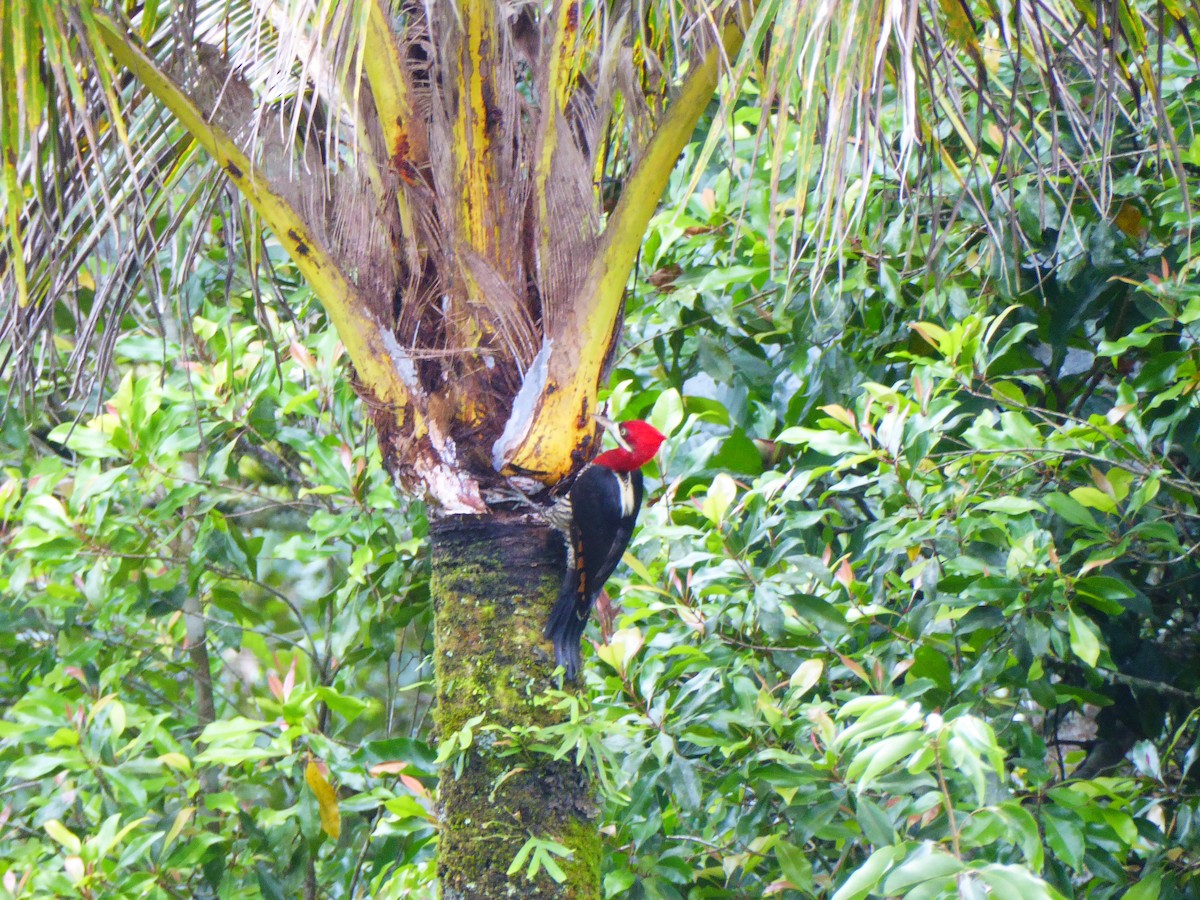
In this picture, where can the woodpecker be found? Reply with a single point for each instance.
(597, 519)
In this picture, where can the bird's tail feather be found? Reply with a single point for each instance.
(565, 626)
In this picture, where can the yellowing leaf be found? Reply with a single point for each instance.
(331, 818)
(959, 25)
(622, 648)
(1094, 564)
(1129, 220)
(181, 819)
(720, 495)
(1094, 498)
(1084, 642)
(116, 719)
(303, 358)
(667, 414)
(1119, 481)
(806, 675)
(855, 668)
(1118, 412)
(840, 414)
(176, 761)
(63, 835)
(932, 335)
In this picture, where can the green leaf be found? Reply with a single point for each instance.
(225, 729)
(877, 757)
(830, 443)
(1121, 824)
(1008, 392)
(349, 708)
(270, 888)
(875, 824)
(926, 863)
(667, 414)
(866, 877)
(1012, 506)
(1070, 510)
(824, 615)
(548, 863)
(1024, 828)
(1144, 493)
(795, 865)
(1085, 642)
(1104, 593)
(738, 454)
(181, 819)
(1148, 887)
(1015, 883)
(262, 417)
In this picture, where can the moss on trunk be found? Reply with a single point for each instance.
(495, 579)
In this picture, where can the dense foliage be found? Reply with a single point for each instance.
(229, 467)
(938, 636)
(912, 610)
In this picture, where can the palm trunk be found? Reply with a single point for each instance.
(495, 579)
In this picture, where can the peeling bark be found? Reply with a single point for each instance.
(495, 579)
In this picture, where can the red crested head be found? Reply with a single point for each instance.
(639, 442)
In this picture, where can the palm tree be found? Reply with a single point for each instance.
(465, 185)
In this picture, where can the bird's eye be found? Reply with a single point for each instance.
(624, 431)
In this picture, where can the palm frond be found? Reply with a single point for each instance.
(884, 90)
(95, 170)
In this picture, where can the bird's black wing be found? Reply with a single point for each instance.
(596, 545)
(616, 539)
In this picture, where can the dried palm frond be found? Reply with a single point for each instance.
(442, 164)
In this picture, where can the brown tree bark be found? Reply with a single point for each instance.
(495, 579)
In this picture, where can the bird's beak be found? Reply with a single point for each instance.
(612, 429)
